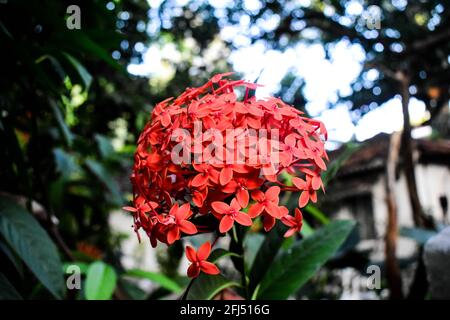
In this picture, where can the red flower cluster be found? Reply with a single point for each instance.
(233, 153)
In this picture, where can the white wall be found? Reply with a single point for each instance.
(433, 181)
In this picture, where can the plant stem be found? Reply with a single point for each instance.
(184, 296)
(239, 249)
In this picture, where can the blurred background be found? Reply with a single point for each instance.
(76, 90)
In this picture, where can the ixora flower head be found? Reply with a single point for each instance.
(207, 161)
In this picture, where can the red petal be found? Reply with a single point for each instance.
(226, 224)
(240, 108)
(235, 205)
(286, 158)
(241, 168)
(299, 183)
(242, 197)
(230, 187)
(298, 215)
(253, 183)
(243, 218)
(268, 222)
(320, 163)
(209, 268)
(173, 211)
(258, 195)
(220, 207)
(191, 254)
(165, 120)
(214, 176)
(313, 197)
(193, 271)
(198, 198)
(254, 110)
(303, 199)
(256, 210)
(199, 180)
(226, 175)
(283, 211)
(272, 209)
(216, 78)
(272, 194)
(204, 251)
(269, 170)
(316, 182)
(290, 140)
(289, 221)
(290, 232)
(131, 209)
(184, 211)
(173, 234)
(153, 205)
(187, 227)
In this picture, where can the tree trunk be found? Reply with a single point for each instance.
(407, 155)
(392, 269)
(419, 286)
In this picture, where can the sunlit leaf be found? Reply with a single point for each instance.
(101, 281)
(64, 129)
(155, 277)
(82, 72)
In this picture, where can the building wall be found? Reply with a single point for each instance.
(433, 181)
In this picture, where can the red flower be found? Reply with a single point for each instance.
(294, 223)
(178, 222)
(265, 202)
(309, 188)
(230, 214)
(229, 147)
(240, 187)
(141, 208)
(290, 150)
(199, 262)
(207, 173)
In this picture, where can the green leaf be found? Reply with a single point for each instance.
(266, 254)
(316, 213)
(295, 267)
(307, 230)
(101, 281)
(158, 278)
(15, 260)
(55, 63)
(104, 145)
(7, 290)
(85, 44)
(66, 164)
(6, 31)
(207, 286)
(105, 177)
(65, 131)
(83, 73)
(83, 266)
(132, 290)
(32, 244)
(252, 243)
